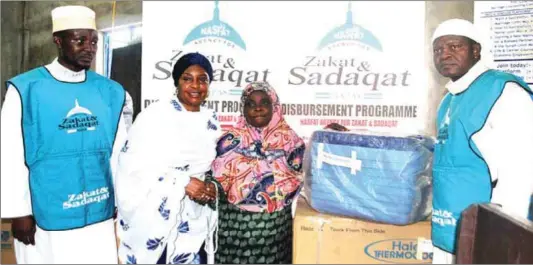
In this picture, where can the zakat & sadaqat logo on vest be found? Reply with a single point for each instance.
(86, 197)
(79, 119)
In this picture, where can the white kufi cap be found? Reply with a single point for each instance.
(458, 27)
(73, 17)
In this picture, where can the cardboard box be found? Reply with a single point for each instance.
(322, 238)
(8, 252)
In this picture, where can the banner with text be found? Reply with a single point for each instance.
(360, 64)
(507, 29)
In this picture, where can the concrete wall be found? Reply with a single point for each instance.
(437, 12)
(11, 30)
(27, 39)
(42, 48)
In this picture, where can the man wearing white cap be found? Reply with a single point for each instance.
(62, 129)
(485, 136)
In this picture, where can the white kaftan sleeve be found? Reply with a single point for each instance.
(16, 200)
(145, 174)
(506, 143)
(128, 110)
(150, 189)
(120, 138)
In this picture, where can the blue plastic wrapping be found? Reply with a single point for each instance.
(375, 177)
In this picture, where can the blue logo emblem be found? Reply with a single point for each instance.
(350, 32)
(216, 29)
(79, 119)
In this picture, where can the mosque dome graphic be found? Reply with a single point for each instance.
(215, 28)
(78, 110)
(79, 119)
(350, 32)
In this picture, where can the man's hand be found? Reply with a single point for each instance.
(23, 229)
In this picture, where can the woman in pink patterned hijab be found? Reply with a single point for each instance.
(259, 168)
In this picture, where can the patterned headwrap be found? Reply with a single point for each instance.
(260, 170)
(264, 87)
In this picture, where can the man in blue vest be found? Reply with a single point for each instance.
(484, 144)
(62, 129)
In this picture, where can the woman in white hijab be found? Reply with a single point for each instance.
(165, 209)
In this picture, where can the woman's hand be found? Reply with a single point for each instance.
(211, 191)
(195, 189)
(199, 191)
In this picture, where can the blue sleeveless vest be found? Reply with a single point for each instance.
(69, 130)
(530, 216)
(461, 176)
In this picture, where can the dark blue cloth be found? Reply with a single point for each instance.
(190, 59)
(163, 258)
(202, 253)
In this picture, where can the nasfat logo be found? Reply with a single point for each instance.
(226, 68)
(349, 56)
(229, 73)
(350, 34)
(79, 119)
(215, 31)
(396, 251)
